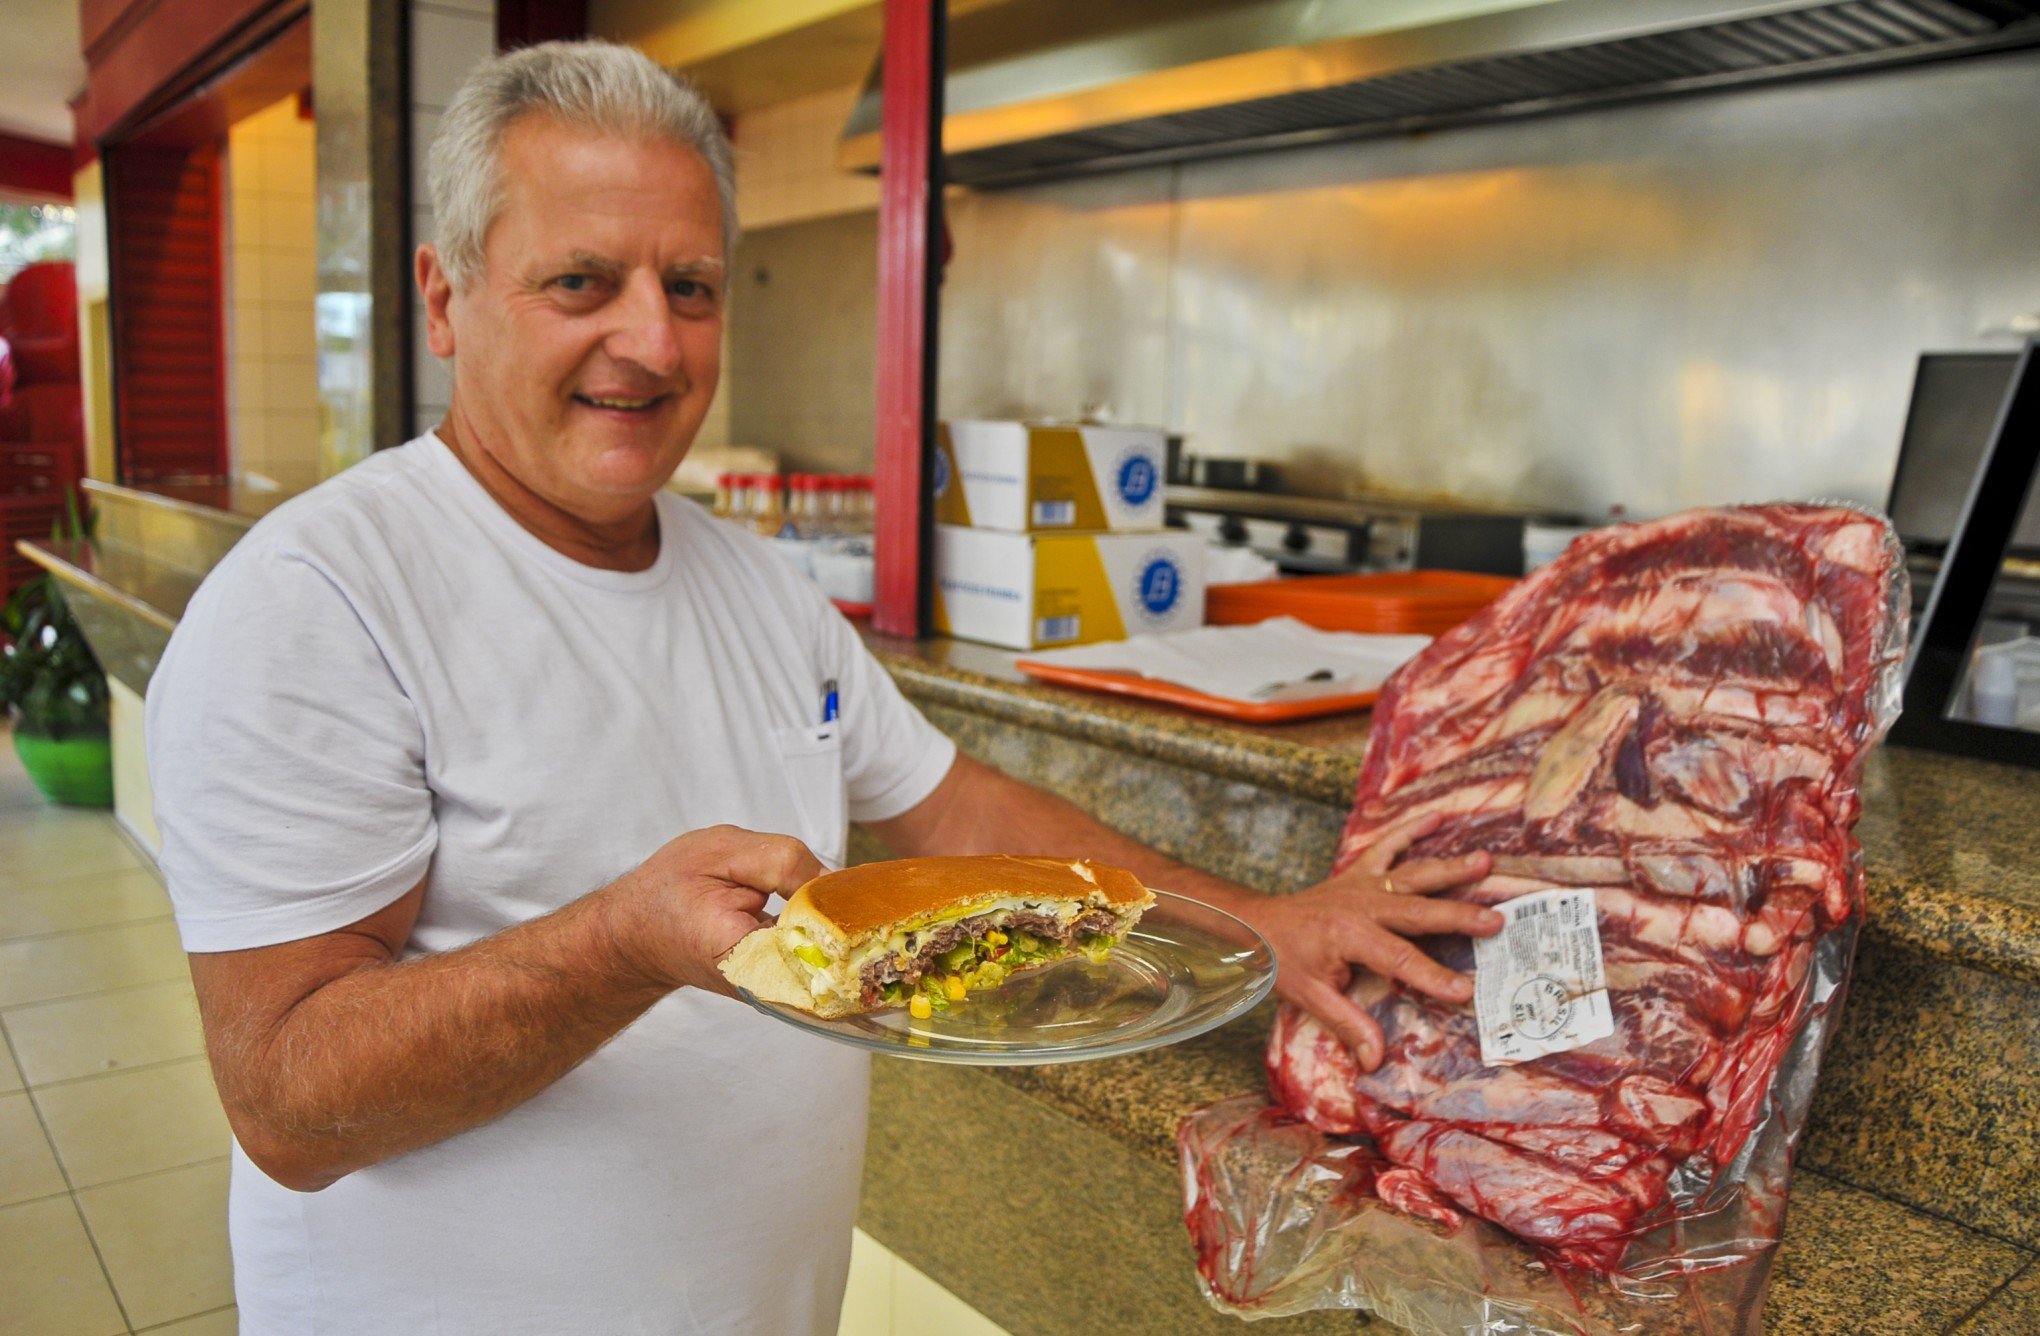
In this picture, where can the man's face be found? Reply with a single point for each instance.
(587, 350)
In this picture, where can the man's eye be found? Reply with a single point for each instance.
(575, 282)
(690, 289)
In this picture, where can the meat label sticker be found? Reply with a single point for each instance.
(1538, 984)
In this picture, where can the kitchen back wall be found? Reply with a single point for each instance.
(1707, 299)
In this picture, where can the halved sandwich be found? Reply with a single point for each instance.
(883, 934)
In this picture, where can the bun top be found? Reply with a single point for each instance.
(859, 901)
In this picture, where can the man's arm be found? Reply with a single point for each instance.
(331, 1054)
(1356, 918)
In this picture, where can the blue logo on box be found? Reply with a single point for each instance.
(1136, 479)
(1161, 584)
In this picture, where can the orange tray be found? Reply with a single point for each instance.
(1168, 693)
(1420, 602)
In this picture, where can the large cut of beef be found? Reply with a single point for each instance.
(1674, 716)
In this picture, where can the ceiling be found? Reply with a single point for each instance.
(41, 69)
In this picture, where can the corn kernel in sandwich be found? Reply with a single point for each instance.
(953, 987)
(919, 1007)
(995, 937)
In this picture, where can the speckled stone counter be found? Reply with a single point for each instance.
(1916, 1206)
(1088, 1235)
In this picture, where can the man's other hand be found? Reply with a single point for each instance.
(1364, 917)
(694, 899)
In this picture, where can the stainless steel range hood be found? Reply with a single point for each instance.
(1044, 88)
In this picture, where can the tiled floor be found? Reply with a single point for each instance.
(113, 1170)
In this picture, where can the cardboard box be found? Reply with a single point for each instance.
(1030, 591)
(1024, 477)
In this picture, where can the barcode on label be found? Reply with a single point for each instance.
(1055, 512)
(1532, 911)
(1058, 628)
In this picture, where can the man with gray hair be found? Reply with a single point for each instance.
(472, 762)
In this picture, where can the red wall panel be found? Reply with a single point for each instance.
(34, 166)
(164, 229)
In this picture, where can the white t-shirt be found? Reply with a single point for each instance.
(389, 679)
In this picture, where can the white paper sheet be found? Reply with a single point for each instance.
(1279, 659)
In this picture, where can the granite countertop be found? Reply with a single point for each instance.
(1951, 845)
(1850, 1260)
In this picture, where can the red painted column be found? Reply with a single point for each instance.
(909, 269)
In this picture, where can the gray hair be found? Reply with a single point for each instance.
(597, 86)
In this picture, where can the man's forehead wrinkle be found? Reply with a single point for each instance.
(606, 265)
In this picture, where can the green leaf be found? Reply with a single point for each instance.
(48, 676)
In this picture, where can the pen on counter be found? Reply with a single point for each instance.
(829, 701)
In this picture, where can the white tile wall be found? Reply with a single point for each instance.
(448, 37)
(786, 162)
(272, 371)
(445, 45)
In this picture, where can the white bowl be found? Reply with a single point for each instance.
(846, 575)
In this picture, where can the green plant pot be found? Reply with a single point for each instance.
(76, 771)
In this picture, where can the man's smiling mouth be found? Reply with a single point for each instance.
(627, 405)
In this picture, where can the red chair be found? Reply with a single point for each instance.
(42, 420)
(39, 316)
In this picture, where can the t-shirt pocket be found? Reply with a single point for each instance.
(811, 756)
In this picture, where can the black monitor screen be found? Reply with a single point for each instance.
(1955, 402)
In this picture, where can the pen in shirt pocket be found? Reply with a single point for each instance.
(829, 701)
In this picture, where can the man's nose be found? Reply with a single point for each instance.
(647, 332)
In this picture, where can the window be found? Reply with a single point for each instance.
(30, 232)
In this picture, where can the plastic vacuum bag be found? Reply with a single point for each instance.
(1286, 1218)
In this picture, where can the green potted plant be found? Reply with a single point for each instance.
(55, 693)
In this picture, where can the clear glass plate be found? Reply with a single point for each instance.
(1186, 968)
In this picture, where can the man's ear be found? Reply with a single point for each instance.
(437, 290)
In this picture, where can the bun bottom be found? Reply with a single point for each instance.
(760, 967)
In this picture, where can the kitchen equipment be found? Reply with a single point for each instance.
(1036, 91)
(1956, 398)
(1308, 535)
(1185, 969)
(1233, 475)
(1978, 584)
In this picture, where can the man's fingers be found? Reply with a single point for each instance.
(1421, 916)
(1354, 1027)
(1389, 846)
(1398, 958)
(1437, 874)
(771, 864)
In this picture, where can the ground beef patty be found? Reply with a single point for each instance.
(925, 946)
